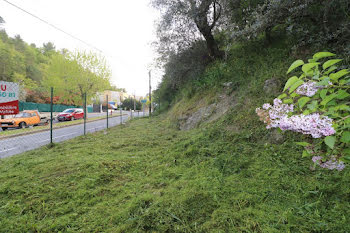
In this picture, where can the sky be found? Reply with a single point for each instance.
(123, 30)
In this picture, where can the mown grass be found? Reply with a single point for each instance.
(148, 176)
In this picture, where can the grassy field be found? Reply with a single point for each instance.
(4, 134)
(149, 176)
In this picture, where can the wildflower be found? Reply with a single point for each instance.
(309, 88)
(266, 106)
(316, 158)
(314, 124)
(271, 115)
(330, 164)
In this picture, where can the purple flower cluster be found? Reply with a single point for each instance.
(277, 111)
(276, 117)
(309, 88)
(330, 164)
(313, 124)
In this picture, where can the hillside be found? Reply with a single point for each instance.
(206, 165)
(251, 129)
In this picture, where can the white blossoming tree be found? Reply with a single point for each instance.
(315, 103)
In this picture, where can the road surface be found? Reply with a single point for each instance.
(20, 144)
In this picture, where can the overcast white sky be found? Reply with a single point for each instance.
(123, 30)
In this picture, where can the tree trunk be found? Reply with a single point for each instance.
(268, 35)
(201, 20)
(213, 48)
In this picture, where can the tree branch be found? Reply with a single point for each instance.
(216, 15)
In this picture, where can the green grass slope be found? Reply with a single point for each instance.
(148, 176)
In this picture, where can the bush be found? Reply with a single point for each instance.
(315, 104)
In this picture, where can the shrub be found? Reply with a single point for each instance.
(316, 104)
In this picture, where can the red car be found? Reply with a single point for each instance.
(71, 114)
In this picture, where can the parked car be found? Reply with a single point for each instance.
(71, 114)
(23, 120)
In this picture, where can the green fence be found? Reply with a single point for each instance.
(43, 107)
(89, 109)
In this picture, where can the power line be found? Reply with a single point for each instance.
(53, 26)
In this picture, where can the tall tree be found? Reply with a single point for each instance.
(186, 21)
(129, 104)
(48, 48)
(75, 74)
(310, 22)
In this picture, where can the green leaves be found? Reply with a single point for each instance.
(323, 93)
(295, 85)
(307, 67)
(330, 141)
(330, 63)
(320, 55)
(290, 82)
(302, 101)
(331, 69)
(339, 74)
(328, 98)
(342, 94)
(345, 137)
(306, 154)
(282, 96)
(324, 82)
(303, 144)
(288, 101)
(313, 105)
(294, 65)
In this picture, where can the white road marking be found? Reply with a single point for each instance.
(14, 148)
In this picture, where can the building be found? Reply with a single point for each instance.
(114, 97)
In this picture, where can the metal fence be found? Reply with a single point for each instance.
(23, 127)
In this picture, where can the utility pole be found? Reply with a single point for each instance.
(107, 109)
(134, 102)
(85, 113)
(51, 114)
(150, 94)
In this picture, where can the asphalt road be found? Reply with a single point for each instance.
(20, 144)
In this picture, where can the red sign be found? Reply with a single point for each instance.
(9, 108)
(9, 98)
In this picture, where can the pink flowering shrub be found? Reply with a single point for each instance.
(308, 88)
(316, 104)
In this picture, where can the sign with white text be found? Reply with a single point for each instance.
(9, 93)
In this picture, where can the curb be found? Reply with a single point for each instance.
(60, 127)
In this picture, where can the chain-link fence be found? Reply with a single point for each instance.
(25, 126)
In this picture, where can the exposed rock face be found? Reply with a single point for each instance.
(276, 137)
(208, 113)
(272, 86)
(228, 84)
(196, 118)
